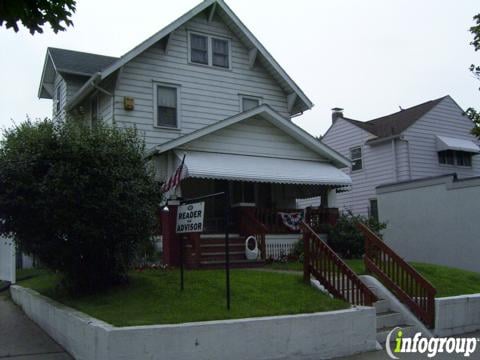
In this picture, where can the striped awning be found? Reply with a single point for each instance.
(207, 165)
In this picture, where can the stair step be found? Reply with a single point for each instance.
(388, 319)
(408, 331)
(382, 306)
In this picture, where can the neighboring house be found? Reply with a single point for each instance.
(426, 140)
(206, 88)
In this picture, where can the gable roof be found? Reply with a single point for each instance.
(394, 124)
(267, 113)
(299, 101)
(69, 62)
(79, 63)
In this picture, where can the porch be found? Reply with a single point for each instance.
(254, 210)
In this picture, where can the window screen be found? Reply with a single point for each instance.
(356, 157)
(199, 49)
(166, 106)
(220, 53)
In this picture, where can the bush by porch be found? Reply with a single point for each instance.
(153, 297)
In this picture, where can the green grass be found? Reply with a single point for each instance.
(448, 281)
(153, 297)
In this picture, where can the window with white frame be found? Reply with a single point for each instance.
(199, 49)
(249, 102)
(356, 157)
(57, 99)
(166, 108)
(209, 50)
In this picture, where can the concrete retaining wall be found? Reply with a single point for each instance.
(305, 336)
(457, 314)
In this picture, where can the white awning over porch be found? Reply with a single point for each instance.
(208, 165)
(449, 143)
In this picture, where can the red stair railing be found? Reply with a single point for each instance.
(401, 278)
(332, 272)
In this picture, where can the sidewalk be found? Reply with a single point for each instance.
(22, 339)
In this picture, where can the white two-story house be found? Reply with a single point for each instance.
(425, 140)
(205, 88)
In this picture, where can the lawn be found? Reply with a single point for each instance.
(153, 297)
(448, 281)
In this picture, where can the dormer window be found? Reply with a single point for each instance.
(209, 50)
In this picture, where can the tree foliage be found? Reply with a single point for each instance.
(345, 238)
(81, 200)
(473, 114)
(33, 14)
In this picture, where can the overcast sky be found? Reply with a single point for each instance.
(369, 57)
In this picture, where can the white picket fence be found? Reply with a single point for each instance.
(280, 245)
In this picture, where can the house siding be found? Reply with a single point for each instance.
(415, 153)
(207, 95)
(446, 119)
(256, 137)
(59, 82)
(378, 165)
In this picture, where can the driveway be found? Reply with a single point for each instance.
(22, 339)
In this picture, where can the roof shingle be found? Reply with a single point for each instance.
(80, 63)
(394, 124)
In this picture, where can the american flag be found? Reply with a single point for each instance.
(174, 180)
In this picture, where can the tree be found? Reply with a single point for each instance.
(33, 14)
(473, 114)
(80, 200)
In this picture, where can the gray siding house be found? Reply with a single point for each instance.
(206, 89)
(425, 140)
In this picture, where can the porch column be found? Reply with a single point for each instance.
(171, 243)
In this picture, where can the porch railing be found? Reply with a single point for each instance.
(401, 278)
(272, 220)
(319, 218)
(332, 272)
(249, 225)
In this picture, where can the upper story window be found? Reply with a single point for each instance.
(452, 157)
(249, 102)
(356, 157)
(57, 99)
(199, 49)
(166, 107)
(209, 50)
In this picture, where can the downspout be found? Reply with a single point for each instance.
(394, 155)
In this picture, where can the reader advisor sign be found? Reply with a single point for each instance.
(190, 218)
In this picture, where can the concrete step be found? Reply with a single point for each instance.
(388, 319)
(382, 306)
(408, 331)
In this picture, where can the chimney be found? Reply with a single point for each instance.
(336, 113)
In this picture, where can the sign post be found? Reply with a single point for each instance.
(192, 221)
(189, 219)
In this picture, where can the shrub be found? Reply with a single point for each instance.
(346, 240)
(80, 199)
